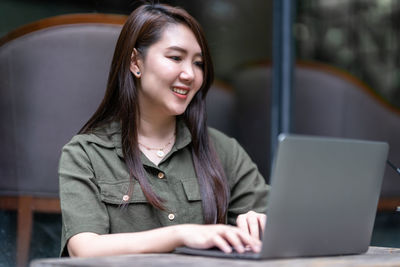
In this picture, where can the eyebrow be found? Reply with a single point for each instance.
(182, 50)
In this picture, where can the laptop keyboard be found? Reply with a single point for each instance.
(215, 252)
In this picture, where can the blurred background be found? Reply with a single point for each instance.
(346, 83)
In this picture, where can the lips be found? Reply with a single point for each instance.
(180, 92)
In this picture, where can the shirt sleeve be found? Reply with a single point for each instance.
(81, 207)
(248, 188)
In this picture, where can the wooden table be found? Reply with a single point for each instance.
(376, 256)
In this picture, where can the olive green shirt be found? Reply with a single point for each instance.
(94, 182)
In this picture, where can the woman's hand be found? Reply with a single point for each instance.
(252, 222)
(218, 235)
(164, 239)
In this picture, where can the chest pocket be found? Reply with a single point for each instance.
(117, 192)
(192, 190)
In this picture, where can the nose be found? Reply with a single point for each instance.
(187, 74)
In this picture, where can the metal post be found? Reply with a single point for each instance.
(282, 81)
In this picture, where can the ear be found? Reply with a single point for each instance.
(136, 64)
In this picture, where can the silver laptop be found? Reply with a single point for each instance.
(323, 198)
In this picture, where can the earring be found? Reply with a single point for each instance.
(138, 72)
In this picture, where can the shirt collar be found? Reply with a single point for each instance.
(110, 136)
(183, 136)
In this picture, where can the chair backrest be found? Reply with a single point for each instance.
(327, 102)
(334, 103)
(53, 75)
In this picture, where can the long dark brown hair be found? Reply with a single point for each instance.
(143, 28)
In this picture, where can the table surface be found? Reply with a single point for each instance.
(376, 256)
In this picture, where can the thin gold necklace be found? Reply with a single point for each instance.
(159, 151)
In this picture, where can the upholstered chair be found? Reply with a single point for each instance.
(326, 101)
(53, 74)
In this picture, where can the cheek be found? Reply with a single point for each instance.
(159, 68)
(167, 73)
(166, 64)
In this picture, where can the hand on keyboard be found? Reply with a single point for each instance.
(224, 237)
(253, 223)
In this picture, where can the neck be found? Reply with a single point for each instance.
(156, 128)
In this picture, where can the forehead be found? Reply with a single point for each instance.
(178, 35)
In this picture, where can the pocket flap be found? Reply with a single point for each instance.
(192, 189)
(113, 193)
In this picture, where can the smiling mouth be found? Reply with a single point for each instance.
(180, 91)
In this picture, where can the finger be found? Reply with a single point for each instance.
(262, 219)
(232, 236)
(241, 222)
(253, 225)
(220, 243)
(253, 243)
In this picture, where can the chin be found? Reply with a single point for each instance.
(177, 113)
(177, 110)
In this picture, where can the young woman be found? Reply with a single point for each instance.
(145, 174)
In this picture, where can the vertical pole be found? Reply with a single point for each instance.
(282, 72)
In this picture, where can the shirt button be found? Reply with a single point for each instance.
(125, 198)
(171, 216)
(161, 175)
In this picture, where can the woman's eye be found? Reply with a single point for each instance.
(175, 58)
(199, 64)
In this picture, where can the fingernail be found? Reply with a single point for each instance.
(240, 249)
(228, 250)
(257, 248)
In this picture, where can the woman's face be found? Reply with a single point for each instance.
(171, 72)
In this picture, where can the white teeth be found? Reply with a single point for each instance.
(180, 91)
